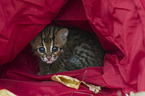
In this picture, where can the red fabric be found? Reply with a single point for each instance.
(119, 24)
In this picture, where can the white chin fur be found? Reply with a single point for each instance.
(48, 61)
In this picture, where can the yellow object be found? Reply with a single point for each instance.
(67, 80)
(137, 93)
(75, 83)
(5, 92)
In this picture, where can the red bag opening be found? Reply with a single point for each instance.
(118, 24)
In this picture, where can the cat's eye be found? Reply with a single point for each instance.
(41, 50)
(54, 49)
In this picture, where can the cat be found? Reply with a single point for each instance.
(65, 49)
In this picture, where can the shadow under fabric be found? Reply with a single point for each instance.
(118, 24)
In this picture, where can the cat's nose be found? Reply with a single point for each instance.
(48, 57)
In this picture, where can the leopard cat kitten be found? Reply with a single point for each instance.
(65, 49)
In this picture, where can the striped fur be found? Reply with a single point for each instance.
(77, 49)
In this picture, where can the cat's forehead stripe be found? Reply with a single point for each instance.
(48, 32)
(51, 30)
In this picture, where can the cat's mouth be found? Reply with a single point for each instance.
(49, 61)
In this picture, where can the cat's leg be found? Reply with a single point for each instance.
(57, 66)
(44, 68)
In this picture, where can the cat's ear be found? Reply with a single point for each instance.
(63, 33)
(32, 42)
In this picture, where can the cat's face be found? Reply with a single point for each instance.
(49, 43)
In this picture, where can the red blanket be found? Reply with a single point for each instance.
(119, 25)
